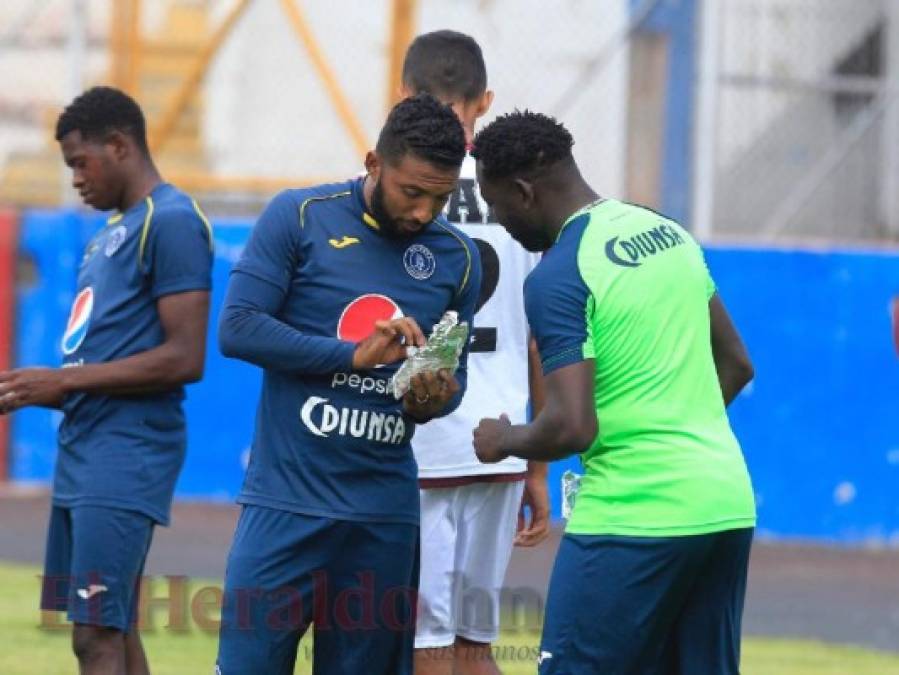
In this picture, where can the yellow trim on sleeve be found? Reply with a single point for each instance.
(369, 220)
(464, 248)
(205, 222)
(307, 201)
(145, 230)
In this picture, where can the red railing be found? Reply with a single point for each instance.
(8, 240)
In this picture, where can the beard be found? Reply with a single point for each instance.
(531, 240)
(537, 243)
(389, 225)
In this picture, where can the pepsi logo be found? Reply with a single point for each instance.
(79, 320)
(357, 321)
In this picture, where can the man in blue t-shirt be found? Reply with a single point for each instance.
(335, 283)
(135, 336)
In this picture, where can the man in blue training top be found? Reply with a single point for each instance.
(136, 335)
(332, 287)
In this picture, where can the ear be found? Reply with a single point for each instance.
(373, 164)
(120, 144)
(525, 190)
(484, 103)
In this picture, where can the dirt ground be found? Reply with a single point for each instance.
(795, 590)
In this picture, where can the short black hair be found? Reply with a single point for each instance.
(521, 142)
(425, 127)
(447, 64)
(101, 110)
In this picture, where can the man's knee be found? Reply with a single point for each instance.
(474, 658)
(93, 642)
(434, 661)
(475, 651)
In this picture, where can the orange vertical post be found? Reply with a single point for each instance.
(124, 40)
(160, 132)
(117, 16)
(134, 45)
(402, 30)
(339, 99)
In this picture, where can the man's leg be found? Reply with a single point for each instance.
(373, 589)
(435, 627)
(109, 547)
(474, 658)
(613, 601)
(135, 658)
(706, 637)
(489, 515)
(274, 561)
(434, 660)
(99, 650)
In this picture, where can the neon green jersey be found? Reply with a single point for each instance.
(629, 289)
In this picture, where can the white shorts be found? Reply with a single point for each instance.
(466, 541)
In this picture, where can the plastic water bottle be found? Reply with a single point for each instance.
(571, 483)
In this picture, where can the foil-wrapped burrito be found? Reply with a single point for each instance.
(442, 351)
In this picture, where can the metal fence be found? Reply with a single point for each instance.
(799, 120)
(246, 96)
(757, 119)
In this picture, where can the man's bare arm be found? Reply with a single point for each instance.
(731, 358)
(178, 360)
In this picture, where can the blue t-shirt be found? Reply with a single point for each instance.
(555, 300)
(314, 277)
(126, 451)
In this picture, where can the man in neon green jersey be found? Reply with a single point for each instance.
(640, 359)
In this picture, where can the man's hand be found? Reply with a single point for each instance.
(536, 498)
(388, 343)
(429, 394)
(31, 386)
(489, 439)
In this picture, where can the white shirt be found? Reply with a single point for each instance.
(498, 361)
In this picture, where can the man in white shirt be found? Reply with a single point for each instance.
(472, 513)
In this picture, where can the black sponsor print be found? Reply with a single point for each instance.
(483, 339)
(465, 206)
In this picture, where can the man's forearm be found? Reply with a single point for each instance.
(261, 339)
(536, 468)
(732, 378)
(732, 362)
(541, 441)
(159, 369)
(730, 385)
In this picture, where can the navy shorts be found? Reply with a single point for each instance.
(646, 605)
(356, 582)
(93, 565)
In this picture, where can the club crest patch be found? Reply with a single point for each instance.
(419, 261)
(115, 240)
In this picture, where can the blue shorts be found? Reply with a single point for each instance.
(646, 605)
(356, 582)
(94, 562)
